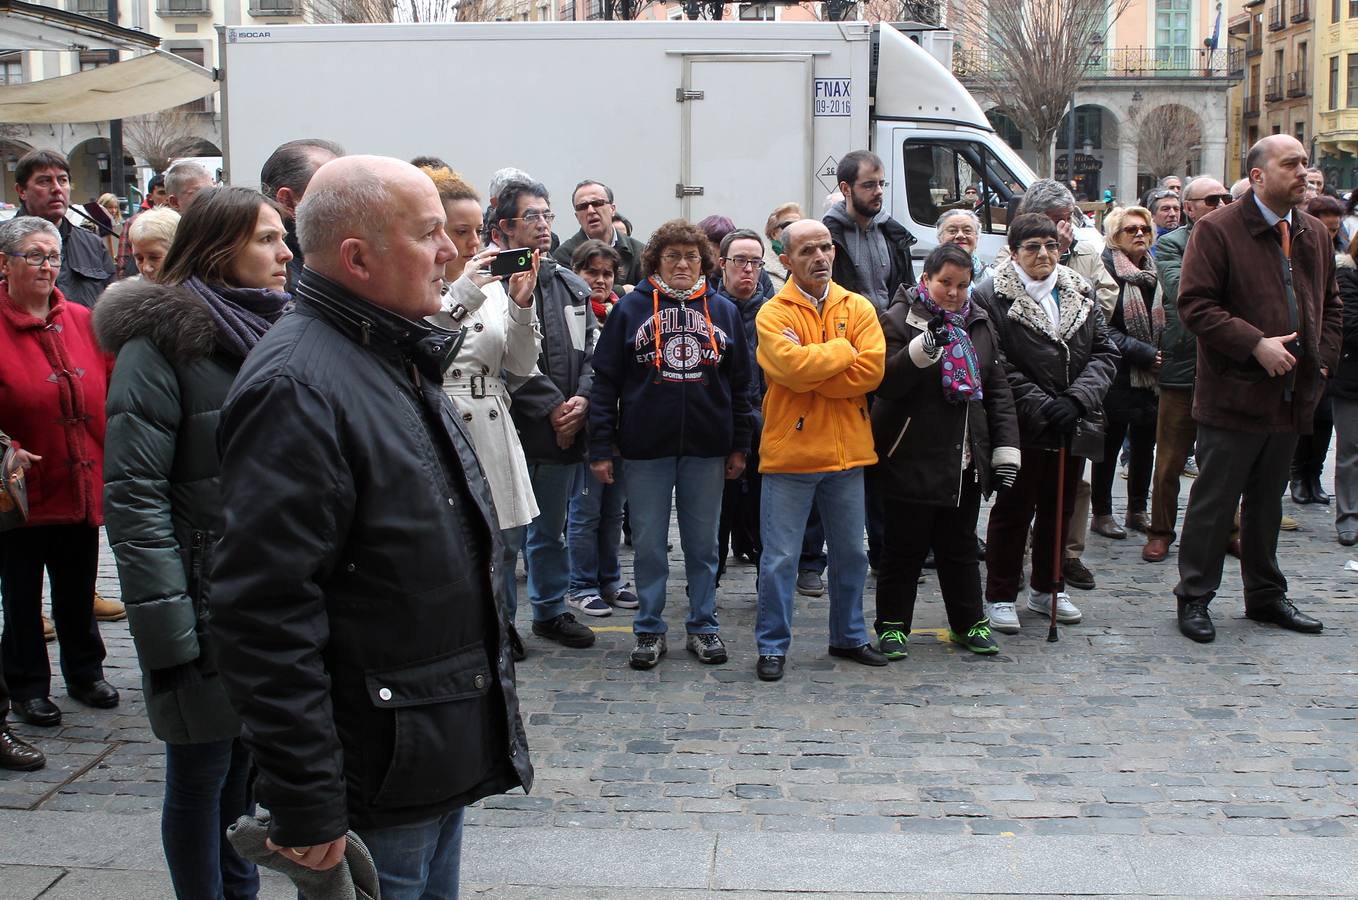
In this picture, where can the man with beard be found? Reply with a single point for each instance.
(872, 250)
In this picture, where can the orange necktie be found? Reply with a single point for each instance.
(1286, 236)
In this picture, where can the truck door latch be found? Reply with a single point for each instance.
(685, 190)
(681, 95)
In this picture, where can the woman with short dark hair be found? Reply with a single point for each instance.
(180, 342)
(1059, 360)
(671, 398)
(943, 422)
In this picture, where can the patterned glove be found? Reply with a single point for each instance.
(1004, 475)
(936, 334)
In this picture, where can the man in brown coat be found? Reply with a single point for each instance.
(1258, 289)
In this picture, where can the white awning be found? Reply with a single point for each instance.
(31, 26)
(140, 86)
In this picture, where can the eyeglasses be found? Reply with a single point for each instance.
(959, 230)
(743, 262)
(1212, 200)
(590, 204)
(1134, 230)
(873, 185)
(674, 258)
(1051, 247)
(535, 217)
(781, 225)
(36, 258)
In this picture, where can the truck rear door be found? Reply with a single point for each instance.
(746, 134)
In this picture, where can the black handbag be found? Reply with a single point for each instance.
(13, 488)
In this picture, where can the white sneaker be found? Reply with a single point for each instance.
(590, 605)
(1003, 617)
(1066, 612)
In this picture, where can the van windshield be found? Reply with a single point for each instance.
(958, 174)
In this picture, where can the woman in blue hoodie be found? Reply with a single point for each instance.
(671, 393)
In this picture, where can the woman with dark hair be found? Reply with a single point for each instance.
(1343, 392)
(946, 435)
(671, 394)
(1059, 360)
(1131, 407)
(180, 342)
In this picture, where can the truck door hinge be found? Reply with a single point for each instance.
(684, 190)
(681, 95)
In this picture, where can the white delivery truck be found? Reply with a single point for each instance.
(681, 119)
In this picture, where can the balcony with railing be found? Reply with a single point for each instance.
(168, 8)
(261, 8)
(1273, 88)
(1301, 10)
(1254, 44)
(1125, 62)
(1296, 84)
(1251, 107)
(95, 9)
(1277, 16)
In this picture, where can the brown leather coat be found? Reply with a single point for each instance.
(1236, 288)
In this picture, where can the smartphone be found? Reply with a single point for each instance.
(510, 262)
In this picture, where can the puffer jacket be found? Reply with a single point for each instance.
(816, 408)
(564, 365)
(162, 495)
(1177, 343)
(356, 607)
(918, 431)
(1124, 402)
(1043, 362)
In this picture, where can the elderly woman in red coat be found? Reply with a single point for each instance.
(53, 378)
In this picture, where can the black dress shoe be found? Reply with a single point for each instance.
(17, 755)
(1318, 494)
(866, 654)
(38, 711)
(1300, 491)
(1195, 622)
(770, 668)
(1284, 614)
(1348, 538)
(99, 694)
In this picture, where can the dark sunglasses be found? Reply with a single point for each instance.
(1134, 230)
(1213, 200)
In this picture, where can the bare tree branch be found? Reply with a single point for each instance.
(928, 12)
(160, 137)
(1166, 138)
(354, 11)
(1029, 56)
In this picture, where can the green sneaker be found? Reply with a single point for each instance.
(893, 641)
(977, 639)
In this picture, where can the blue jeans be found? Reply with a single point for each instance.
(512, 539)
(696, 484)
(545, 554)
(784, 506)
(205, 792)
(419, 861)
(594, 534)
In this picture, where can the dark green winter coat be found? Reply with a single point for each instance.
(162, 503)
(1177, 344)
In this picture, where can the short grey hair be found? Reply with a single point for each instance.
(1045, 194)
(159, 224)
(1239, 188)
(19, 229)
(953, 214)
(180, 175)
(359, 206)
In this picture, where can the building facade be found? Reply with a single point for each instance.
(1335, 98)
(186, 28)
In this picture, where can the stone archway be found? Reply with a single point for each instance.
(1098, 150)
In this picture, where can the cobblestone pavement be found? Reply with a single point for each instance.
(1122, 728)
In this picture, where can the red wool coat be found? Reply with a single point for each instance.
(53, 381)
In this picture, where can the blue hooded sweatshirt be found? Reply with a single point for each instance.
(683, 392)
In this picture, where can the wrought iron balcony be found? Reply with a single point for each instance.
(1273, 88)
(1296, 84)
(1301, 10)
(1277, 17)
(1251, 107)
(1127, 62)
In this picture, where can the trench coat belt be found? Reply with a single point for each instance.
(475, 386)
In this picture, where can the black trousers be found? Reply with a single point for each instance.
(1308, 460)
(1031, 501)
(70, 556)
(738, 528)
(1140, 467)
(1235, 467)
(4, 689)
(911, 531)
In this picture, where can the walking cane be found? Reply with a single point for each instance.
(1059, 548)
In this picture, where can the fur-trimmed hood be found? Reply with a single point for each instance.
(175, 320)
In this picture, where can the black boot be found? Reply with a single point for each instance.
(1319, 446)
(1298, 485)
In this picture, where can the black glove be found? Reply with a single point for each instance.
(936, 334)
(1062, 413)
(1004, 475)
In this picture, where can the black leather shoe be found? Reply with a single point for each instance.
(1195, 622)
(39, 711)
(17, 755)
(1348, 538)
(516, 648)
(1284, 614)
(1318, 494)
(770, 668)
(565, 631)
(1300, 491)
(100, 694)
(866, 654)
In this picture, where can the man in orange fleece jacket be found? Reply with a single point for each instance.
(822, 352)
